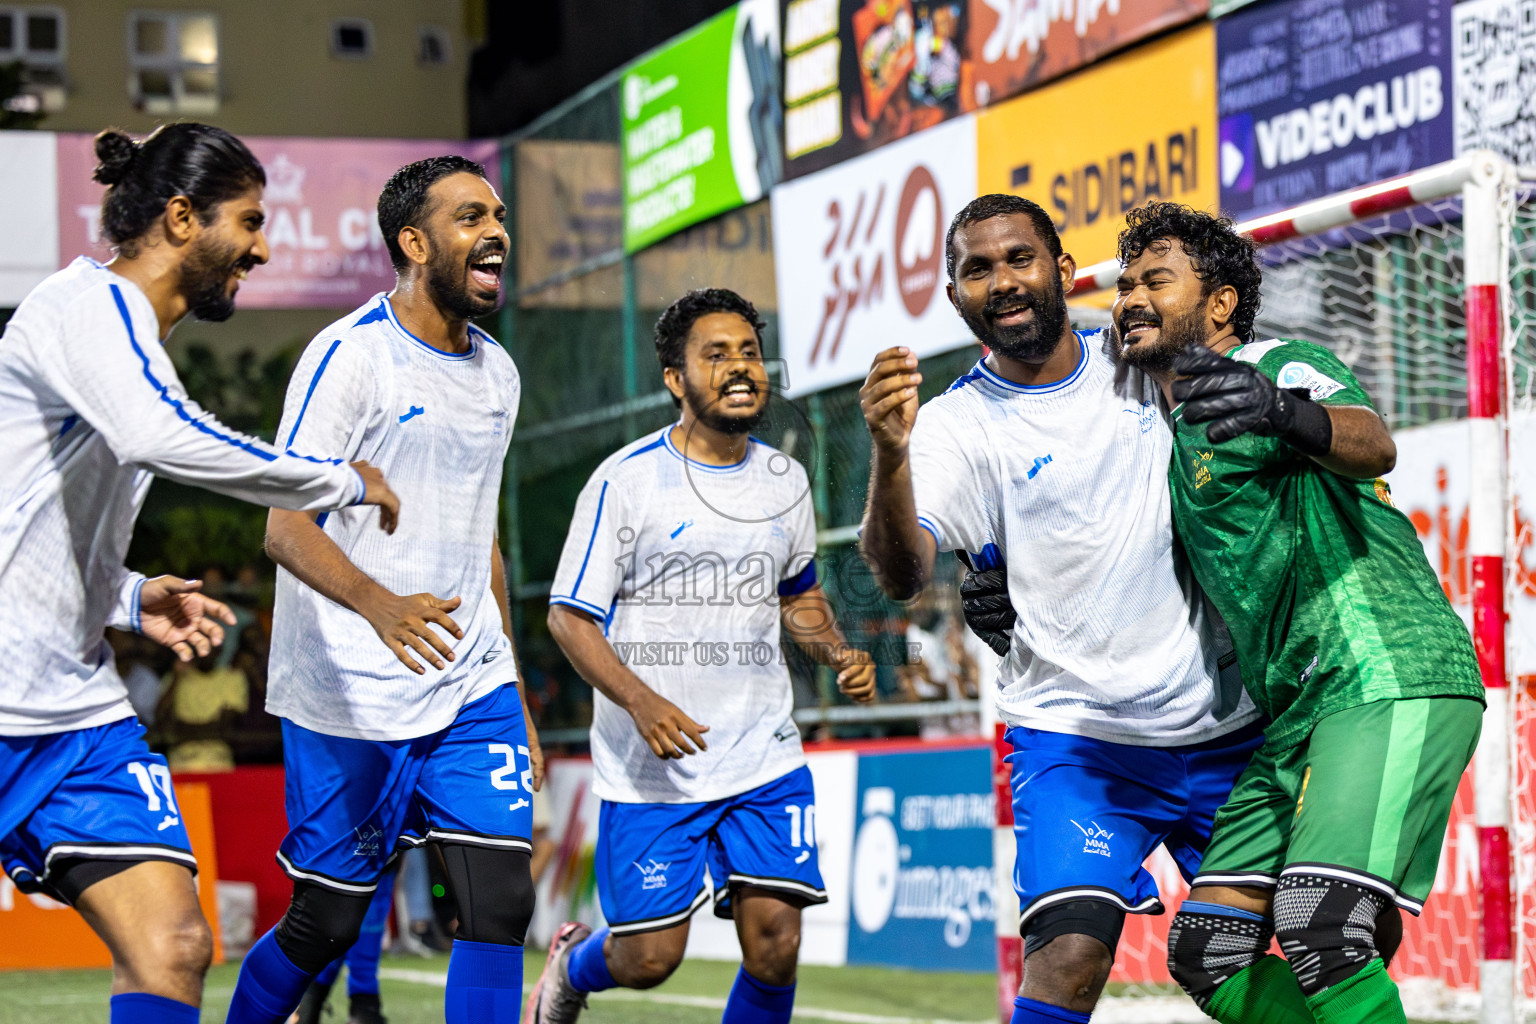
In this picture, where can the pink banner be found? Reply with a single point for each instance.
(327, 252)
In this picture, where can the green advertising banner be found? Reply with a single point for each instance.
(702, 119)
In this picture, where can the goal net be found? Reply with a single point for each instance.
(1385, 278)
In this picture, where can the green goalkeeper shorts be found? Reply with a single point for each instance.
(1365, 798)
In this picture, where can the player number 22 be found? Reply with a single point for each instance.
(503, 777)
(796, 816)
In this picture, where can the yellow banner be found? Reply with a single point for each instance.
(1107, 140)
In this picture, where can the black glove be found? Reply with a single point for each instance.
(989, 613)
(1235, 398)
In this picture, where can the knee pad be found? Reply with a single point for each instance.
(1327, 928)
(320, 925)
(1209, 943)
(494, 890)
(1094, 918)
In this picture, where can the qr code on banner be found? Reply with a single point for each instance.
(1496, 77)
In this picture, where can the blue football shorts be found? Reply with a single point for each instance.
(651, 858)
(86, 794)
(1087, 813)
(352, 804)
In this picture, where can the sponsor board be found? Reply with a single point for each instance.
(922, 862)
(322, 220)
(700, 123)
(1136, 152)
(1320, 96)
(861, 73)
(1019, 44)
(29, 203)
(859, 252)
(1495, 69)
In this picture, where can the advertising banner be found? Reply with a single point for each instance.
(1019, 44)
(701, 122)
(569, 209)
(29, 219)
(922, 862)
(859, 253)
(1319, 96)
(322, 224)
(1496, 77)
(861, 73)
(1136, 151)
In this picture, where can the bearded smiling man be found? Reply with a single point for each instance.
(381, 752)
(1129, 726)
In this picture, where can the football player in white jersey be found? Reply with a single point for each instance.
(381, 751)
(91, 410)
(1128, 725)
(688, 550)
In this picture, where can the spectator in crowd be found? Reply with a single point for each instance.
(197, 714)
(141, 665)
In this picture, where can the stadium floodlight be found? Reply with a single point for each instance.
(1401, 266)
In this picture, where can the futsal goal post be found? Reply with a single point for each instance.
(1425, 285)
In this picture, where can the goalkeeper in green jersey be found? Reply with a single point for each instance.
(1343, 635)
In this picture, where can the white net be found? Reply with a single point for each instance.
(1387, 296)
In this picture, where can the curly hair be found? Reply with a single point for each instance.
(673, 326)
(1219, 255)
(404, 201)
(1000, 204)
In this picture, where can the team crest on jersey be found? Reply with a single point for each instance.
(1202, 471)
(368, 840)
(1095, 839)
(653, 875)
(1317, 384)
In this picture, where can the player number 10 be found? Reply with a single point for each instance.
(796, 816)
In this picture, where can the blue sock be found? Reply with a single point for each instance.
(143, 1008)
(1032, 1011)
(587, 967)
(485, 983)
(757, 1002)
(269, 987)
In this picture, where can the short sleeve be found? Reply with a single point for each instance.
(1317, 371)
(591, 570)
(799, 571)
(948, 485)
(329, 399)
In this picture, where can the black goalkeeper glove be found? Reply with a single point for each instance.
(989, 613)
(1235, 398)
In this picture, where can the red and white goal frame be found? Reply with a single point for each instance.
(1485, 184)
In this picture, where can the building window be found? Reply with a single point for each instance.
(34, 38)
(433, 45)
(351, 38)
(174, 62)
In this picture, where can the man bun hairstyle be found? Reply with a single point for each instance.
(1218, 253)
(208, 165)
(673, 326)
(1001, 204)
(404, 202)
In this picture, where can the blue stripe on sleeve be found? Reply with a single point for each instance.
(245, 446)
(799, 583)
(927, 524)
(326, 361)
(136, 617)
(580, 605)
(601, 495)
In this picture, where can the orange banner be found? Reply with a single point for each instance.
(37, 933)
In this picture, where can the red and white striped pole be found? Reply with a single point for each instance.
(1486, 510)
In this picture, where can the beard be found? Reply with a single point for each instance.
(448, 284)
(1174, 336)
(1030, 342)
(705, 404)
(205, 279)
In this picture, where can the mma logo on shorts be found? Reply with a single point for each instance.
(1095, 839)
(368, 837)
(653, 875)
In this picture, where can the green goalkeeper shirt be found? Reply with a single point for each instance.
(1323, 583)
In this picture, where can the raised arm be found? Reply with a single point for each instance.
(899, 551)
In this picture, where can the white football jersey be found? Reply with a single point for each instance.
(1068, 484)
(438, 425)
(90, 409)
(684, 564)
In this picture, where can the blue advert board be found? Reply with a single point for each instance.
(922, 879)
(1316, 97)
